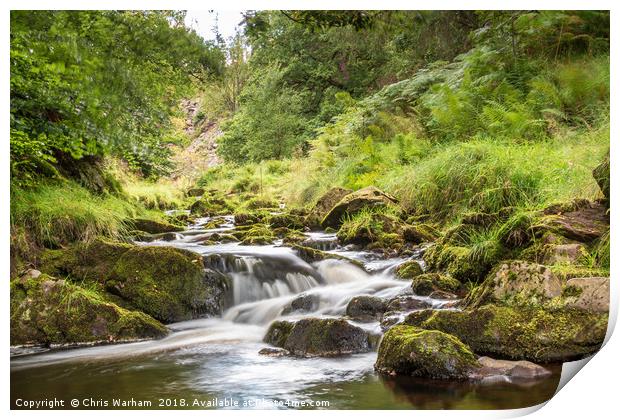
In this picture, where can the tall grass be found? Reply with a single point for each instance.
(59, 213)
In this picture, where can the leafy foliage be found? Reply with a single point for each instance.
(89, 82)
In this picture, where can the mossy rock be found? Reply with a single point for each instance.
(419, 233)
(369, 197)
(409, 270)
(318, 337)
(211, 205)
(366, 308)
(456, 261)
(517, 283)
(407, 350)
(426, 284)
(195, 192)
(257, 234)
(91, 261)
(535, 334)
(582, 221)
(261, 203)
(285, 220)
(167, 283)
(155, 226)
(324, 204)
(48, 311)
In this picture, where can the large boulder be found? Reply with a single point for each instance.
(517, 283)
(324, 205)
(366, 308)
(369, 197)
(531, 333)
(406, 350)
(170, 284)
(589, 293)
(90, 261)
(318, 337)
(374, 229)
(48, 311)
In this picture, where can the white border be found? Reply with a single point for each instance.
(592, 395)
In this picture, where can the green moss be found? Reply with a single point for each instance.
(257, 234)
(567, 271)
(166, 283)
(155, 226)
(278, 332)
(409, 270)
(425, 284)
(414, 351)
(49, 311)
(536, 334)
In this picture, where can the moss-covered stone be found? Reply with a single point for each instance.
(48, 311)
(318, 337)
(257, 234)
(211, 205)
(155, 226)
(369, 197)
(366, 308)
(91, 261)
(169, 284)
(419, 233)
(324, 204)
(536, 334)
(285, 220)
(517, 283)
(406, 350)
(426, 284)
(409, 270)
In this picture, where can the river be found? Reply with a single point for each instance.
(208, 362)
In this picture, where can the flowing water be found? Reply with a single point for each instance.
(214, 362)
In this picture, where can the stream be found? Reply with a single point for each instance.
(216, 361)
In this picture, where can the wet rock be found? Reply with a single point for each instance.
(517, 283)
(531, 333)
(590, 294)
(47, 311)
(406, 350)
(409, 270)
(270, 351)
(318, 337)
(170, 284)
(278, 333)
(311, 255)
(324, 205)
(407, 303)
(154, 226)
(442, 295)
(521, 369)
(429, 283)
(390, 319)
(352, 203)
(303, 303)
(563, 253)
(366, 308)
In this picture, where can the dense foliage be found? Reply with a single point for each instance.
(93, 82)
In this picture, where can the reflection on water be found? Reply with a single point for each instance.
(218, 358)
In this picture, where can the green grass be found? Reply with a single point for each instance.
(162, 195)
(58, 213)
